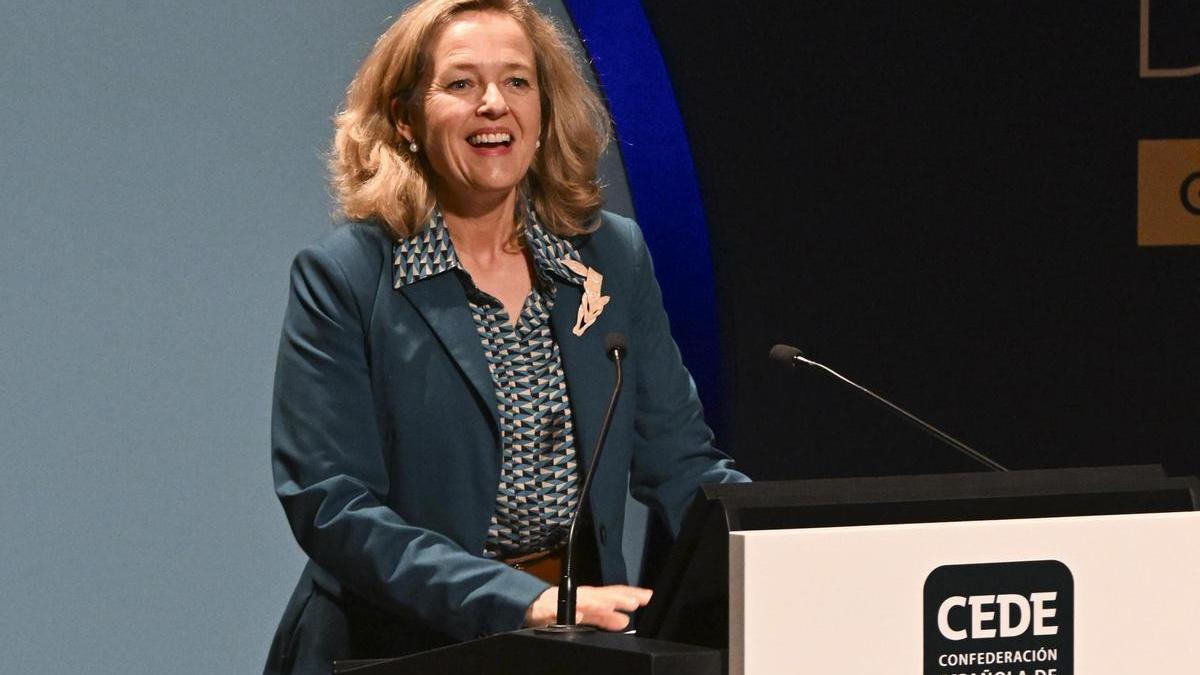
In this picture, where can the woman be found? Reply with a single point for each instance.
(442, 373)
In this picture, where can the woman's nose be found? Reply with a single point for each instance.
(493, 104)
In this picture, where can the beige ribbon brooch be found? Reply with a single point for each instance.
(592, 302)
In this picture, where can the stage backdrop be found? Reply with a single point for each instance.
(987, 211)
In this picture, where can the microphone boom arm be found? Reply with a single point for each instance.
(798, 357)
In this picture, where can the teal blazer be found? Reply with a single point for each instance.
(386, 447)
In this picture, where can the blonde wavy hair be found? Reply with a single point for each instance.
(373, 179)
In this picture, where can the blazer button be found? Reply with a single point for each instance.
(603, 535)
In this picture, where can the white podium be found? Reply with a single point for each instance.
(1103, 595)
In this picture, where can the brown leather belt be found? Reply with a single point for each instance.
(545, 565)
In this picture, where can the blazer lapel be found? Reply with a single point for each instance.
(590, 375)
(442, 302)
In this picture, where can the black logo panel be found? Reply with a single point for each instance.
(1002, 617)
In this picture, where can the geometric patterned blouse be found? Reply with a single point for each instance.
(537, 494)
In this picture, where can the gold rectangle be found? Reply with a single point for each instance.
(1169, 192)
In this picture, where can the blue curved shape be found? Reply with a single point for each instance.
(662, 178)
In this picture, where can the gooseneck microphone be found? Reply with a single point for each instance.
(791, 356)
(614, 347)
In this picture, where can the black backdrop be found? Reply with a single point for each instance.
(939, 199)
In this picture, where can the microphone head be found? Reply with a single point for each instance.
(614, 343)
(785, 354)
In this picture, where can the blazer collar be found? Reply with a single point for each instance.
(590, 375)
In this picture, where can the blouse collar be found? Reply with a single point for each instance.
(430, 252)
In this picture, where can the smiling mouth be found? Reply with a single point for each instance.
(497, 140)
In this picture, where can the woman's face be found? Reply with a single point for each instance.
(479, 122)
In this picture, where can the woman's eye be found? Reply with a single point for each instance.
(458, 84)
(519, 82)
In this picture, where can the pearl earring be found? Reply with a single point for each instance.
(412, 147)
(538, 145)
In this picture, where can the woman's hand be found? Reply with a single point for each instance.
(605, 607)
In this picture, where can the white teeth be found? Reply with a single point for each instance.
(478, 139)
